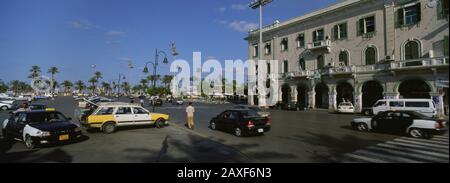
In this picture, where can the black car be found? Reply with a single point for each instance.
(290, 106)
(34, 106)
(241, 122)
(40, 127)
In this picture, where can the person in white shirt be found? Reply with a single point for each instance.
(190, 115)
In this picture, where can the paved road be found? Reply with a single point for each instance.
(312, 136)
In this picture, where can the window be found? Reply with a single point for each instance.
(285, 66)
(444, 8)
(255, 50)
(409, 14)
(366, 25)
(320, 62)
(380, 103)
(268, 68)
(233, 115)
(343, 58)
(284, 44)
(124, 110)
(412, 50)
(302, 64)
(267, 49)
(417, 104)
(318, 35)
(370, 55)
(340, 31)
(105, 111)
(301, 40)
(138, 110)
(396, 104)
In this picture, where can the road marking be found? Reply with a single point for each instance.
(402, 150)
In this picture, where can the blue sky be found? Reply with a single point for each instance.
(74, 34)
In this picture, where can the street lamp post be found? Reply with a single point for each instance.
(255, 5)
(155, 66)
(121, 76)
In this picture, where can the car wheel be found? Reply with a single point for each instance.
(109, 128)
(238, 132)
(213, 125)
(418, 133)
(4, 108)
(362, 127)
(29, 142)
(159, 123)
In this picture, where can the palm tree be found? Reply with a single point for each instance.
(126, 88)
(98, 75)
(53, 71)
(157, 78)
(67, 85)
(167, 79)
(79, 85)
(143, 84)
(106, 87)
(151, 79)
(35, 72)
(15, 86)
(93, 82)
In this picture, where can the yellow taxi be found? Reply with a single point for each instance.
(108, 116)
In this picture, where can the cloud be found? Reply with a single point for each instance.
(115, 33)
(223, 9)
(239, 7)
(242, 26)
(82, 24)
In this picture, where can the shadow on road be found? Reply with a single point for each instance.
(33, 156)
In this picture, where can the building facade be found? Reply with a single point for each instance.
(359, 51)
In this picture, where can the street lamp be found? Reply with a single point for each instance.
(121, 76)
(255, 5)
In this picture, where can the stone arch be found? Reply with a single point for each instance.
(402, 48)
(414, 88)
(322, 95)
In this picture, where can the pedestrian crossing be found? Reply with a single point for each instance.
(402, 150)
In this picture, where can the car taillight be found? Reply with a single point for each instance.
(439, 124)
(250, 124)
(269, 121)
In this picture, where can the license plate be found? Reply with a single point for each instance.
(261, 130)
(63, 137)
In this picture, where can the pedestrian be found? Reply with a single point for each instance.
(190, 116)
(142, 102)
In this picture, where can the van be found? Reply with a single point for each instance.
(423, 106)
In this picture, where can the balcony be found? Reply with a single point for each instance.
(420, 63)
(320, 46)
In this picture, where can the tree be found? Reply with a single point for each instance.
(3, 87)
(35, 72)
(167, 80)
(67, 85)
(20, 87)
(151, 79)
(93, 82)
(98, 75)
(79, 85)
(106, 87)
(126, 88)
(143, 83)
(53, 71)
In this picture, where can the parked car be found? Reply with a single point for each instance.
(424, 106)
(410, 122)
(346, 107)
(241, 122)
(257, 109)
(109, 116)
(5, 106)
(178, 102)
(156, 102)
(40, 127)
(4, 96)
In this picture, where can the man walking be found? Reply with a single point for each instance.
(190, 116)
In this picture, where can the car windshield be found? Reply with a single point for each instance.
(45, 117)
(249, 114)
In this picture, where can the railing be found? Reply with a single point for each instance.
(319, 44)
(419, 63)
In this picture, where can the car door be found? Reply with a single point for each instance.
(392, 122)
(406, 121)
(141, 116)
(124, 116)
(381, 121)
(16, 126)
(221, 120)
(232, 121)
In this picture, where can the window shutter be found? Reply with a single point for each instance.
(344, 30)
(400, 17)
(335, 32)
(446, 46)
(361, 27)
(419, 11)
(445, 8)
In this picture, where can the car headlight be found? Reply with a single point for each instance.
(43, 134)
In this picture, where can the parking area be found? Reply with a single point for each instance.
(296, 136)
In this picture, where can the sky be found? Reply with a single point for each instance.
(73, 35)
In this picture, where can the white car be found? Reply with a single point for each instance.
(412, 123)
(346, 107)
(5, 106)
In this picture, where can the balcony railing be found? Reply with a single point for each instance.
(325, 44)
(394, 65)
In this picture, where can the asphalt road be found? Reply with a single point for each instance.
(303, 137)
